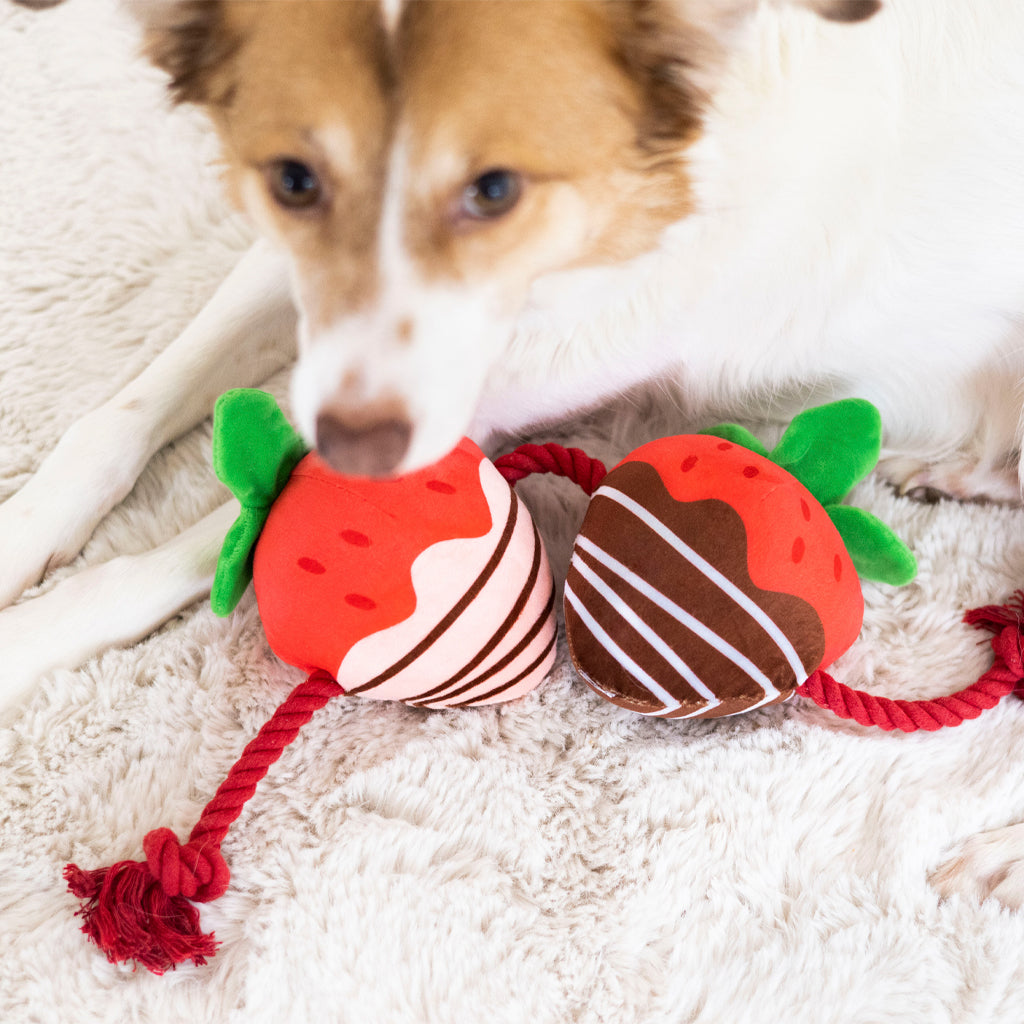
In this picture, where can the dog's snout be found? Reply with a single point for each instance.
(374, 448)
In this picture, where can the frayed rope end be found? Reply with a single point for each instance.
(141, 911)
(996, 617)
(127, 913)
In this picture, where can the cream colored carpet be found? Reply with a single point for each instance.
(554, 860)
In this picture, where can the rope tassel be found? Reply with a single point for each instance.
(142, 911)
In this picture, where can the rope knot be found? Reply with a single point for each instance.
(1006, 645)
(198, 873)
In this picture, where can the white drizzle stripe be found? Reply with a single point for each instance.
(693, 624)
(646, 633)
(671, 704)
(764, 620)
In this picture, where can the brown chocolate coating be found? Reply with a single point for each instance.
(715, 531)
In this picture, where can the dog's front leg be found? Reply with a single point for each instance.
(107, 605)
(243, 335)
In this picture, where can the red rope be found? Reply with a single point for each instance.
(573, 463)
(1005, 676)
(139, 910)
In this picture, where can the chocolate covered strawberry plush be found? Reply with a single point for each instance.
(712, 577)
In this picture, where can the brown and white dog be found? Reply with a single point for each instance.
(492, 214)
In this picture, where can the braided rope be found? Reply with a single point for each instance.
(904, 715)
(573, 463)
(197, 870)
(140, 911)
(1005, 676)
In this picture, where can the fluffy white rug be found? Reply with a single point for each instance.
(554, 860)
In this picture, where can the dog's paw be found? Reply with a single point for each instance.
(989, 865)
(33, 540)
(956, 479)
(26, 659)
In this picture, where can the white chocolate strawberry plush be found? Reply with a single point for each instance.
(432, 588)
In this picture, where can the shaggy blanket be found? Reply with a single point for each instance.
(557, 859)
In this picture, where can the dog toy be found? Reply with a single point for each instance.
(431, 589)
(709, 577)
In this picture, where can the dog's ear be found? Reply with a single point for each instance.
(681, 45)
(660, 50)
(721, 18)
(844, 10)
(190, 40)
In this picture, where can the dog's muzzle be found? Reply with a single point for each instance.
(368, 449)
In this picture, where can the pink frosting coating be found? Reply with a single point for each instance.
(442, 576)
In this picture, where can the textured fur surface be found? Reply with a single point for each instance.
(556, 860)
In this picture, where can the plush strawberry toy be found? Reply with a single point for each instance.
(431, 588)
(709, 577)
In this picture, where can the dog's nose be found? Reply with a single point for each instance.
(366, 449)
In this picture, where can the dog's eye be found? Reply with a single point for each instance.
(492, 194)
(294, 184)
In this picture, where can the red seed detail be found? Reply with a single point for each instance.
(805, 509)
(750, 472)
(799, 547)
(724, 446)
(311, 565)
(440, 486)
(688, 463)
(361, 602)
(355, 538)
(837, 568)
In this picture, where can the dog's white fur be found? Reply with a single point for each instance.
(859, 230)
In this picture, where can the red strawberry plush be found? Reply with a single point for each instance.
(710, 577)
(431, 588)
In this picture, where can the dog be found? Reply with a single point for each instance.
(479, 217)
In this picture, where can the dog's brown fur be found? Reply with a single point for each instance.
(586, 100)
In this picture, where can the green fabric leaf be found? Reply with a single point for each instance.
(877, 553)
(832, 447)
(255, 450)
(234, 564)
(829, 449)
(738, 435)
